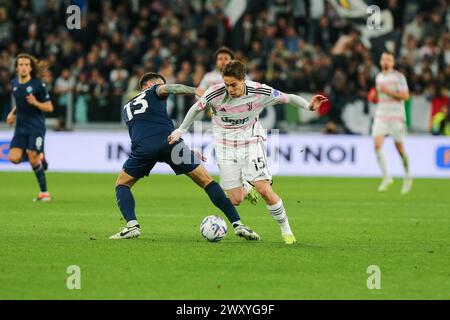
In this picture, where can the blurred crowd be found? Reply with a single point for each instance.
(291, 45)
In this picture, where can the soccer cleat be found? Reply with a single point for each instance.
(43, 197)
(385, 184)
(43, 161)
(246, 233)
(128, 233)
(289, 238)
(252, 196)
(407, 184)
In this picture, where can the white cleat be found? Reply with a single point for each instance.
(246, 233)
(407, 185)
(127, 233)
(385, 184)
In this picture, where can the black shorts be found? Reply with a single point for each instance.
(32, 141)
(147, 152)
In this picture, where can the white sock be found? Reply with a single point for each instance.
(247, 187)
(279, 214)
(382, 163)
(132, 223)
(237, 223)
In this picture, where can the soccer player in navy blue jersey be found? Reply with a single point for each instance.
(149, 127)
(31, 101)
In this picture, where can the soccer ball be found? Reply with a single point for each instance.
(213, 228)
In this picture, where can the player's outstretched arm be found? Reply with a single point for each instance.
(300, 102)
(189, 119)
(166, 89)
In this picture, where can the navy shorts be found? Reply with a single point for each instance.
(147, 152)
(32, 141)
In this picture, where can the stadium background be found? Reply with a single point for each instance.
(343, 225)
(301, 47)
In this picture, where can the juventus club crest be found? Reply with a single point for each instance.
(250, 106)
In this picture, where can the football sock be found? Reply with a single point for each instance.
(221, 201)
(125, 201)
(247, 187)
(132, 223)
(40, 176)
(236, 223)
(405, 164)
(279, 214)
(382, 162)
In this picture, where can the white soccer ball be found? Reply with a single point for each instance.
(213, 228)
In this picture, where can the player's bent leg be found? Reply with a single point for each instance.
(276, 209)
(407, 181)
(387, 180)
(217, 196)
(39, 171)
(200, 176)
(16, 155)
(126, 204)
(43, 160)
(236, 195)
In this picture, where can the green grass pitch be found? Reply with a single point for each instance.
(343, 226)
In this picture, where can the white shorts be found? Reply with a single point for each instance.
(396, 129)
(239, 164)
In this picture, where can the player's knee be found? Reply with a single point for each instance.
(33, 159)
(14, 158)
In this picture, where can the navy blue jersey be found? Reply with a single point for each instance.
(146, 115)
(29, 118)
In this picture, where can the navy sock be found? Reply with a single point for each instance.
(40, 176)
(221, 201)
(125, 201)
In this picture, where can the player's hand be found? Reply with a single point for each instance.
(316, 102)
(10, 119)
(31, 99)
(199, 92)
(200, 155)
(174, 136)
(386, 90)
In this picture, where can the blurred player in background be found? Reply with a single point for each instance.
(223, 56)
(31, 101)
(390, 118)
(149, 126)
(240, 151)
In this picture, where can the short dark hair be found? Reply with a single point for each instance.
(235, 69)
(224, 50)
(150, 76)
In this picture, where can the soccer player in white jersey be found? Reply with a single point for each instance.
(390, 118)
(223, 56)
(236, 105)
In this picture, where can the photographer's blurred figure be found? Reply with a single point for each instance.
(441, 122)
